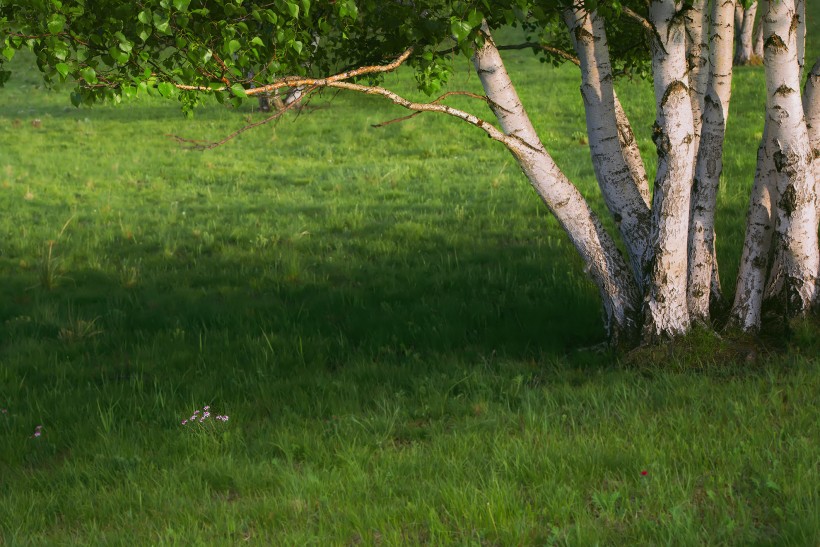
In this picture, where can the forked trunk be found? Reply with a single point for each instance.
(620, 191)
(665, 308)
(792, 284)
(604, 262)
(743, 55)
(703, 279)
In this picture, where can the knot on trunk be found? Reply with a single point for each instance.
(675, 87)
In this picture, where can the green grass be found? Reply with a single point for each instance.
(392, 321)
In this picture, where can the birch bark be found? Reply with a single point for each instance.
(665, 308)
(709, 165)
(604, 262)
(620, 191)
(743, 55)
(811, 109)
(754, 262)
(631, 152)
(795, 228)
(697, 60)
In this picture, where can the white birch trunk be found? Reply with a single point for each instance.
(757, 44)
(800, 10)
(604, 262)
(631, 152)
(620, 191)
(697, 59)
(665, 309)
(743, 55)
(795, 229)
(754, 262)
(703, 279)
(811, 109)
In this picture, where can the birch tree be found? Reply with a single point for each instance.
(668, 280)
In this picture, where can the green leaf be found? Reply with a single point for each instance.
(233, 46)
(119, 56)
(63, 69)
(306, 6)
(181, 5)
(129, 92)
(145, 17)
(293, 9)
(238, 90)
(89, 75)
(76, 99)
(8, 53)
(258, 41)
(161, 23)
(56, 23)
(166, 89)
(460, 29)
(297, 46)
(475, 18)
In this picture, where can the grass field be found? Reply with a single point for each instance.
(402, 338)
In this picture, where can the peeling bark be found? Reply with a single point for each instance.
(665, 308)
(604, 262)
(743, 55)
(704, 283)
(793, 283)
(620, 191)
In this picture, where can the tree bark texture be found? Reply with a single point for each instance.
(620, 191)
(792, 283)
(811, 109)
(754, 261)
(709, 164)
(665, 308)
(743, 55)
(697, 59)
(608, 269)
(632, 154)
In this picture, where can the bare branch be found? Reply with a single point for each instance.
(438, 100)
(295, 81)
(549, 49)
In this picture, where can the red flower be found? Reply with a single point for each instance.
(644, 472)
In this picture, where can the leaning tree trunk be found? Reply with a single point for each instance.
(620, 190)
(743, 55)
(800, 11)
(792, 283)
(709, 165)
(606, 266)
(665, 309)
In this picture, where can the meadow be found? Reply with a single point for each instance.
(403, 341)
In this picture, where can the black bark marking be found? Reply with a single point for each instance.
(776, 43)
(788, 202)
(671, 89)
(784, 90)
